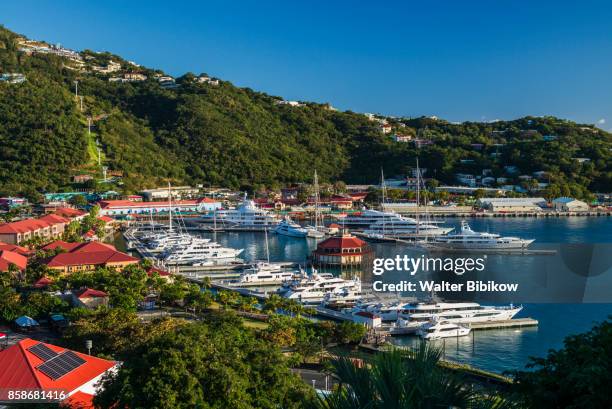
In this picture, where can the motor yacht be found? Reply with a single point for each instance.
(246, 216)
(313, 288)
(265, 273)
(469, 239)
(458, 312)
(198, 252)
(442, 329)
(289, 228)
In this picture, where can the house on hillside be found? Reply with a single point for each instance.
(89, 298)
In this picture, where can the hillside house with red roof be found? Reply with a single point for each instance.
(47, 227)
(33, 365)
(89, 298)
(16, 249)
(87, 257)
(8, 258)
(343, 250)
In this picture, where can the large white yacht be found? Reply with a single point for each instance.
(246, 216)
(166, 240)
(200, 253)
(367, 217)
(469, 239)
(405, 227)
(457, 312)
(265, 273)
(289, 228)
(386, 311)
(313, 288)
(442, 329)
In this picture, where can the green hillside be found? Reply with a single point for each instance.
(200, 133)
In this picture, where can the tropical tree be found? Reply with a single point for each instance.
(403, 379)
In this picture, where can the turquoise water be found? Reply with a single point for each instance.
(495, 350)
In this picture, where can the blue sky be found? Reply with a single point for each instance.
(460, 60)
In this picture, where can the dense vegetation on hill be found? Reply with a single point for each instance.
(224, 135)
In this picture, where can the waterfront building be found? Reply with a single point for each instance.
(161, 193)
(568, 204)
(509, 204)
(31, 365)
(342, 250)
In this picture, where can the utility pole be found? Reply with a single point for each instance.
(76, 89)
(99, 156)
(81, 101)
(88, 123)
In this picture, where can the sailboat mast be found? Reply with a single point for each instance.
(267, 246)
(418, 194)
(382, 205)
(169, 207)
(316, 187)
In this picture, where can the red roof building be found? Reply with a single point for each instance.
(47, 227)
(128, 207)
(26, 365)
(344, 250)
(43, 282)
(8, 258)
(89, 298)
(16, 249)
(87, 256)
(70, 213)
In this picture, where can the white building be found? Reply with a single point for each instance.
(568, 204)
(509, 204)
(127, 207)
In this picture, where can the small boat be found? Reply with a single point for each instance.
(289, 228)
(442, 329)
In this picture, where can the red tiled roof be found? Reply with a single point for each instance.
(69, 212)
(10, 257)
(61, 244)
(43, 282)
(89, 293)
(54, 219)
(20, 369)
(162, 273)
(207, 200)
(344, 241)
(79, 400)
(23, 226)
(15, 248)
(77, 257)
(106, 219)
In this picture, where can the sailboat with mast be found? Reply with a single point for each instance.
(264, 272)
(399, 227)
(318, 231)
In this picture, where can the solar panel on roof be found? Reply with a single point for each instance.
(62, 364)
(42, 351)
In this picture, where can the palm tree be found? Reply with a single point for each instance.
(402, 379)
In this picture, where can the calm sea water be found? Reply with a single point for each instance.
(495, 350)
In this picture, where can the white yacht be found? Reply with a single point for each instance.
(167, 240)
(367, 217)
(458, 312)
(289, 228)
(313, 288)
(265, 273)
(386, 311)
(405, 227)
(442, 329)
(342, 298)
(246, 216)
(469, 239)
(200, 253)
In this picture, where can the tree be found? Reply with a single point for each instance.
(206, 365)
(349, 332)
(78, 200)
(575, 376)
(403, 380)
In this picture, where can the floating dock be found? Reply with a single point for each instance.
(513, 323)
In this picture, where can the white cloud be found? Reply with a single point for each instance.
(601, 121)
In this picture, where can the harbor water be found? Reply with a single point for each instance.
(495, 350)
